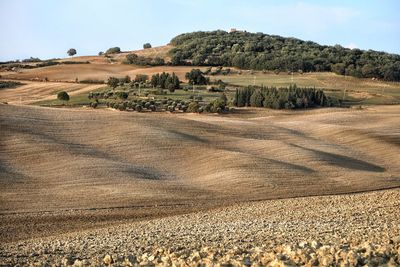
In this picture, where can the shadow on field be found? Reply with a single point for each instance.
(343, 161)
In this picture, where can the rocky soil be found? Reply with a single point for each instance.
(344, 230)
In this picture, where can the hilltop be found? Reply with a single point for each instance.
(271, 52)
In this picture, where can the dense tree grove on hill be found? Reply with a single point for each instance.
(165, 81)
(270, 52)
(282, 98)
(144, 61)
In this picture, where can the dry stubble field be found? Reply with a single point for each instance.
(69, 175)
(88, 161)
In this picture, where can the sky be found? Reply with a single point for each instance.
(48, 28)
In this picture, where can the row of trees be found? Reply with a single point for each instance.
(289, 98)
(165, 81)
(114, 82)
(144, 61)
(270, 52)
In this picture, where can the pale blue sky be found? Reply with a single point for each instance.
(48, 28)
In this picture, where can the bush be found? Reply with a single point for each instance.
(138, 108)
(113, 82)
(193, 107)
(92, 81)
(47, 64)
(143, 61)
(113, 50)
(196, 77)
(122, 95)
(63, 96)
(146, 46)
(93, 104)
(141, 78)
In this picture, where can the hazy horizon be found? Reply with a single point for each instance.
(47, 29)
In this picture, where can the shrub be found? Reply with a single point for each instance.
(113, 50)
(122, 95)
(146, 46)
(217, 105)
(143, 61)
(193, 107)
(141, 78)
(47, 64)
(63, 96)
(113, 82)
(138, 108)
(92, 81)
(195, 76)
(93, 104)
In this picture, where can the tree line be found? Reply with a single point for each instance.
(165, 81)
(144, 61)
(261, 51)
(291, 97)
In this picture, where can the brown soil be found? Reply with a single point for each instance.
(56, 160)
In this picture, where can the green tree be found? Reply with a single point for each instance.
(71, 52)
(196, 77)
(146, 46)
(63, 96)
(113, 50)
(113, 82)
(193, 107)
(256, 99)
(141, 78)
(223, 98)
